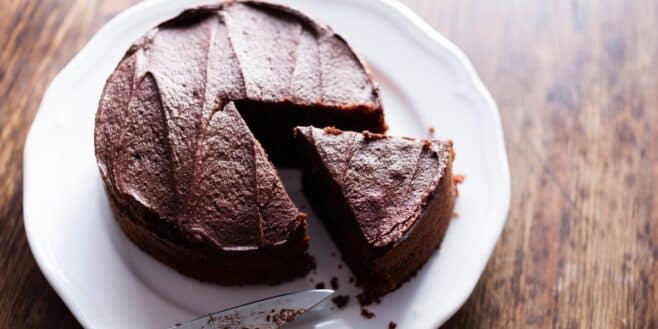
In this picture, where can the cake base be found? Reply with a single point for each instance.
(270, 265)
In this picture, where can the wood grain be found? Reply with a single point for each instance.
(577, 86)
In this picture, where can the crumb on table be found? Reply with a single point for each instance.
(366, 313)
(334, 283)
(341, 300)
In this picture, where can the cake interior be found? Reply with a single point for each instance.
(272, 124)
(378, 269)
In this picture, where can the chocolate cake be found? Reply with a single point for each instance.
(180, 126)
(386, 201)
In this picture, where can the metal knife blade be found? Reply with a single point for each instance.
(270, 313)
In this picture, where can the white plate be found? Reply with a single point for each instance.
(108, 283)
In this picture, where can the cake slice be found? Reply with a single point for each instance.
(386, 201)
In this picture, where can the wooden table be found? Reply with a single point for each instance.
(577, 86)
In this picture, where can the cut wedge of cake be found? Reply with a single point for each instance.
(386, 201)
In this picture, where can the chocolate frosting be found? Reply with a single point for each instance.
(169, 138)
(386, 181)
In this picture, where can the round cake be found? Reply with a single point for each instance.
(189, 119)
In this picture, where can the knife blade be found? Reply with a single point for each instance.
(269, 313)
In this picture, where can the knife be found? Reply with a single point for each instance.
(269, 313)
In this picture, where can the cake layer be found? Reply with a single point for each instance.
(226, 267)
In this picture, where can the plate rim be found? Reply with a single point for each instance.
(402, 15)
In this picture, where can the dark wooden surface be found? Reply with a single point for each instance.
(577, 86)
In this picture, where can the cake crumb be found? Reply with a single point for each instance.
(426, 146)
(368, 136)
(284, 316)
(431, 131)
(334, 283)
(366, 313)
(332, 131)
(319, 285)
(392, 325)
(340, 301)
(457, 179)
(211, 319)
(340, 266)
(351, 280)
